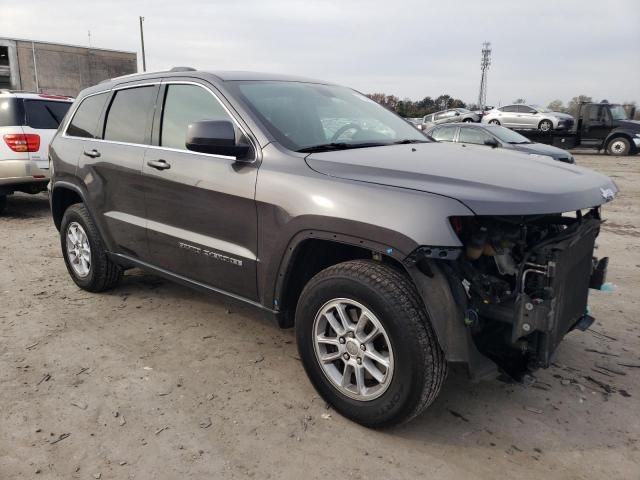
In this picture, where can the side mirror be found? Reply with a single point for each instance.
(533, 112)
(216, 137)
(491, 142)
(457, 114)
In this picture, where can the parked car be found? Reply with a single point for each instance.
(496, 136)
(450, 116)
(27, 124)
(416, 122)
(529, 117)
(391, 254)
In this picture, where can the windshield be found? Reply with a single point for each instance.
(618, 112)
(508, 136)
(308, 116)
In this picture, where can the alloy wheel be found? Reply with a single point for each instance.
(78, 250)
(353, 349)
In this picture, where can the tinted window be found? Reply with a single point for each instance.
(183, 105)
(473, 135)
(525, 109)
(10, 112)
(444, 134)
(85, 121)
(510, 108)
(128, 115)
(45, 114)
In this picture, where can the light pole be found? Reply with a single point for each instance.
(144, 60)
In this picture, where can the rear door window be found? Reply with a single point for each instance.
(85, 121)
(476, 136)
(45, 114)
(444, 134)
(524, 109)
(10, 112)
(129, 115)
(509, 108)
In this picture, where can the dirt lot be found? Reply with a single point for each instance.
(154, 381)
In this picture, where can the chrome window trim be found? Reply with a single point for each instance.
(159, 147)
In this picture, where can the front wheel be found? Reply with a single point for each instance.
(494, 122)
(545, 126)
(84, 253)
(367, 344)
(619, 146)
(468, 120)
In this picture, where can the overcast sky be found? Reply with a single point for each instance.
(541, 50)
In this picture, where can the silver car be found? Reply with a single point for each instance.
(453, 115)
(529, 117)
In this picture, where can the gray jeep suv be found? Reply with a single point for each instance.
(392, 255)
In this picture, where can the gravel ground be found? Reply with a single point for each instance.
(155, 381)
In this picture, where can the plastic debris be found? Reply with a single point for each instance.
(608, 287)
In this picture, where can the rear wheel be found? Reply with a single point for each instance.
(494, 122)
(367, 344)
(545, 126)
(619, 146)
(3, 203)
(84, 253)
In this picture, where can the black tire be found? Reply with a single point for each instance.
(468, 120)
(3, 203)
(494, 122)
(419, 363)
(618, 146)
(103, 273)
(545, 126)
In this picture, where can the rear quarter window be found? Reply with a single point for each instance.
(45, 114)
(85, 120)
(11, 113)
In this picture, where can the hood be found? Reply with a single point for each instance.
(631, 125)
(541, 149)
(488, 181)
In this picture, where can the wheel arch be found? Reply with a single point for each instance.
(63, 195)
(620, 133)
(310, 252)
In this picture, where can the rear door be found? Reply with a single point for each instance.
(43, 117)
(508, 116)
(111, 167)
(202, 217)
(526, 118)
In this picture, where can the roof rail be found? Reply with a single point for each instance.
(182, 69)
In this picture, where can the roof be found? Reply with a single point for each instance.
(220, 75)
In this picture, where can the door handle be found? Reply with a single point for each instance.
(92, 153)
(159, 164)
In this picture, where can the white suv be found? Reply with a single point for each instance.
(28, 122)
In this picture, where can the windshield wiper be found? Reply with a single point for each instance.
(327, 147)
(409, 140)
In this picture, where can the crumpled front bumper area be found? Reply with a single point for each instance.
(522, 300)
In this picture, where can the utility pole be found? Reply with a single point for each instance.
(484, 66)
(89, 34)
(144, 60)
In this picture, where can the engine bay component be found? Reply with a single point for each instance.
(527, 280)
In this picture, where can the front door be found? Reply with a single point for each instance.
(201, 212)
(596, 124)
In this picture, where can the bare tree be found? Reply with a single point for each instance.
(520, 100)
(556, 106)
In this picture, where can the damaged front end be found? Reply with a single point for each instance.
(523, 282)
